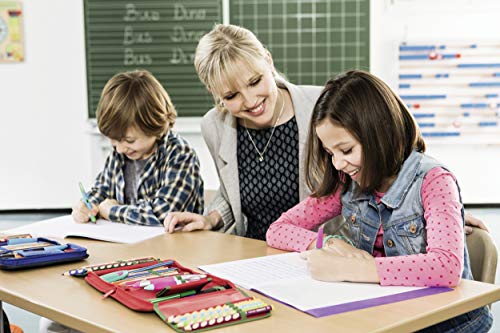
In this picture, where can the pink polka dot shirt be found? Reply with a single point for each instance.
(441, 265)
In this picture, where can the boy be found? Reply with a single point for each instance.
(151, 170)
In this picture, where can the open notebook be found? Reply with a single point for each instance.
(285, 278)
(64, 226)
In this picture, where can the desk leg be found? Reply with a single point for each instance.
(1, 317)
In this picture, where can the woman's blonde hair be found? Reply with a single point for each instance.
(222, 52)
(134, 99)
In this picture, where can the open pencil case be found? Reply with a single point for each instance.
(206, 303)
(37, 252)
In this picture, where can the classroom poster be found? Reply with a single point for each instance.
(11, 32)
(452, 89)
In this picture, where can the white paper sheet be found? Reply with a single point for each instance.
(285, 277)
(64, 226)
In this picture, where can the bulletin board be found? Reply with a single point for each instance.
(11, 32)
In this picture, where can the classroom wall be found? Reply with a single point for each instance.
(44, 147)
(475, 164)
(48, 144)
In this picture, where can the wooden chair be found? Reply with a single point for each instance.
(483, 255)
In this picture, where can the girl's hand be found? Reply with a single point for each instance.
(329, 265)
(471, 221)
(190, 221)
(341, 248)
(81, 214)
(105, 207)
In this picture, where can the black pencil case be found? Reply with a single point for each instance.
(52, 253)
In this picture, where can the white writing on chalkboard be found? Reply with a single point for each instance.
(130, 37)
(180, 57)
(182, 13)
(180, 35)
(131, 58)
(133, 14)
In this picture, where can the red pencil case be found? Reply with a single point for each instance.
(215, 302)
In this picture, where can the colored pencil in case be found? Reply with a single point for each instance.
(122, 274)
(172, 281)
(258, 311)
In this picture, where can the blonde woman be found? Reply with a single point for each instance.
(256, 134)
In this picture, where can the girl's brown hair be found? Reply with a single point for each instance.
(134, 99)
(376, 117)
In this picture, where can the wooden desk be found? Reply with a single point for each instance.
(71, 301)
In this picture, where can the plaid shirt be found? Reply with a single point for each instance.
(171, 182)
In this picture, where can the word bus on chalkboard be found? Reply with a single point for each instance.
(157, 35)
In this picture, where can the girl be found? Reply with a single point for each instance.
(403, 209)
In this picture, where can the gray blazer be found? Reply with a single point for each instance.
(219, 132)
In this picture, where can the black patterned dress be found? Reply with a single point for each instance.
(270, 187)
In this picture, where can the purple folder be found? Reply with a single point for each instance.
(351, 306)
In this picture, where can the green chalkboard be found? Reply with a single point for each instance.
(310, 40)
(157, 35)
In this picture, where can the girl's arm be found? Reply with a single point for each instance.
(443, 263)
(292, 231)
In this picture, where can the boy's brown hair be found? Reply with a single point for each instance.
(134, 99)
(376, 117)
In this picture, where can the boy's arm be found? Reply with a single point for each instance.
(102, 185)
(181, 189)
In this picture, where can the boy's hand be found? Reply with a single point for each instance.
(81, 214)
(189, 222)
(105, 208)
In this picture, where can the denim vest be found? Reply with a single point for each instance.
(401, 214)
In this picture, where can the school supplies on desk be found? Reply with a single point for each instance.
(106, 267)
(285, 278)
(185, 300)
(64, 226)
(19, 253)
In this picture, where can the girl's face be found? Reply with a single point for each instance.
(345, 151)
(255, 99)
(135, 145)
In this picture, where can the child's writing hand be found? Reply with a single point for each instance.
(81, 214)
(105, 207)
(325, 265)
(341, 248)
(189, 221)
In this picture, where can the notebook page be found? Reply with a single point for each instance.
(64, 226)
(285, 278)
(251, 273)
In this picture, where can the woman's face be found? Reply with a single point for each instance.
(254, 101)
(345, 151)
